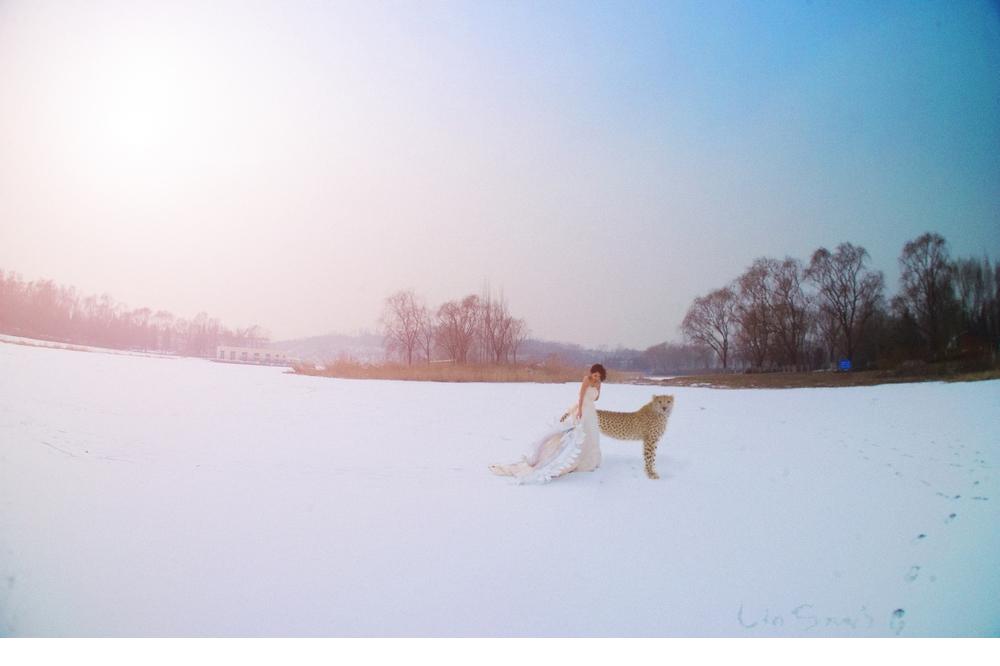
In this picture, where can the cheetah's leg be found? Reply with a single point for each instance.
(649, 454)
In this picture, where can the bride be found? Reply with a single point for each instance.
(573, 446)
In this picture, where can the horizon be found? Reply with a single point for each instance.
(374, 331)
(293, 165)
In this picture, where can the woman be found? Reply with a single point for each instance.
(573, 447)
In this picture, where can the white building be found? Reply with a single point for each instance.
(253, 355)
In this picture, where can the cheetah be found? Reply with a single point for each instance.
(648, 424)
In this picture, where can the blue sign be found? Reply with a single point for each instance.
(845, 364)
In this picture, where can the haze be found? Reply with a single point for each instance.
(291, 164)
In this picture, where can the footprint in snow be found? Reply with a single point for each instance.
(912, 574)
(896, 623)
(919, 537)
(951, 517)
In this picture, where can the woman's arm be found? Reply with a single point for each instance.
(583, 391)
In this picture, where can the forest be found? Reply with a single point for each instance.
(832, 312)
(835, 312)
(45, 310)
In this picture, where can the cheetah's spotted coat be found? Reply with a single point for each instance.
(648, 424)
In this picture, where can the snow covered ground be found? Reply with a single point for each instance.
(144, 496)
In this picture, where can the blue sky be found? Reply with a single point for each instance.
(291, 164)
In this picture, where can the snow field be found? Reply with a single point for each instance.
(144, 496)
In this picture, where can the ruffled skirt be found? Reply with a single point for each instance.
(564, 449)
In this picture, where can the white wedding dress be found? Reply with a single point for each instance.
(571, 446)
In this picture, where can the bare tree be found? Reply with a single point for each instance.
(754, 312)
(401, 322)
(196, 338)
(43, 296)
(163, 321)
(927, 281)
(141, 320)
(791, 317)
(502, 338)
(974, 281)
(108, 315)
(711, 322)
(828, 329)
(518, 334)
(426, 333)
(848, 292)
(457, 325)
(495, 324)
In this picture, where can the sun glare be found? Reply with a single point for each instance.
(143, 109)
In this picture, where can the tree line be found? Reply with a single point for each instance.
(46, 310)
(787, 315)
(473, 329)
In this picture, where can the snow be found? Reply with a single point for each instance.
(52, 344)
(145, 496)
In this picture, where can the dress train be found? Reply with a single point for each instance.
(566, 447)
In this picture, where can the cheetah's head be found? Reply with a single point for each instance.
(663, 404)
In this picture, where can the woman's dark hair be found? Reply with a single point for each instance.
(597, 367)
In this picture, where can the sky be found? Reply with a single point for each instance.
(291, 164)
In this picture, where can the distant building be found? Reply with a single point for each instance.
(253, 355)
